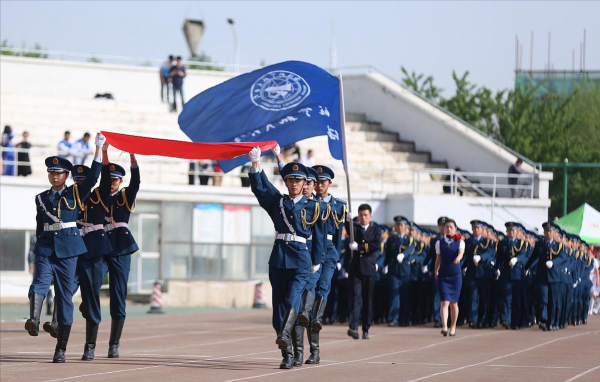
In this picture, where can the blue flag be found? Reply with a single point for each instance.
(285, 102)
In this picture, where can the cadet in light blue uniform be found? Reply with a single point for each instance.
(416, 278)
(121, 204)
(295, 218)
(58, 245)
(484, 259)
(399, 255)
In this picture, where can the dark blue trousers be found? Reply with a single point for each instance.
(399, 299)
(518, 303)
(555, 305)
(484, 292)
(118, 271)
(505, 301)
(324, 281)
(541, 297)
(287, 287)
(63, 270)
(472, 302)
(91, 273)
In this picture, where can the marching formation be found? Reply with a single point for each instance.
(82, 234)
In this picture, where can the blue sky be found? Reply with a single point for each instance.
(429, 37)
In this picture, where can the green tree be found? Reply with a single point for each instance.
(203, 57)
(424, 87)
(23, 52)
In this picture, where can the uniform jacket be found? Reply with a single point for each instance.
(95, 208)
(543, 252)
(506, 251)
(369, 246)
(305, 219)
(486, 249)
(334, 215)
(65, 242)
(396, 245)
(121, 205)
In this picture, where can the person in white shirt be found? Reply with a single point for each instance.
(309, 159)
(65, 146)
(81, 149)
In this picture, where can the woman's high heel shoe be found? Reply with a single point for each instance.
(452, 334)
(444, 332)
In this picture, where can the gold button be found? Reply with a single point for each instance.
(110, 233)
(54, 209)
(92, 207)
(291, 216)
(102, 234)
(75, 233)
(286, 242)
(126, 233)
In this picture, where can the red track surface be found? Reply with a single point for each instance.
(240, 346)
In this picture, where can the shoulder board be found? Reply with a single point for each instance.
(311, 201)
(341, 201)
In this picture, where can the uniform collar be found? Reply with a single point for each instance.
(326, 199)
(364, 227)
(478, 238)
(297, 199)
(53, 192)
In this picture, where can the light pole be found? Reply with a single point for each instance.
(236, 47)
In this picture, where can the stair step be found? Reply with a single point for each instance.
(365, 126)
(356, 117)
(381, 136)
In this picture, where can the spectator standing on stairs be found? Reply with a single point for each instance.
(309, 159)
(177, 74)
(165, 79)
(65, 146)
(24, 167)
(81, 149)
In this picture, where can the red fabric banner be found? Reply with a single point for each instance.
(184, 150)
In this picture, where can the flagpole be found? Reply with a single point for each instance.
(345, 155)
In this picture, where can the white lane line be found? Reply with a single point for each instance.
(411, 363)
(534, 367)
(364, 359)
(169, 355)
(582, 374)
(501, 357)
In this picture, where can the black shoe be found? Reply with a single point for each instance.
(452, 334)
(365, 336)
(543, 326)
(437, 324)
(35, 309)
(61, 343)
(284, 339)
(91, 333)
(472, 325)
(288, 358)
(319, 308)
(444, 332)
(353, 333)
(298, 341)
(315, 357)
(505, 325)
(308, 301)
(479, 326)
(116, 328)
(51, 328)
(393, 323)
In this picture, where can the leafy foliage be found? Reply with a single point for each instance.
(23, 52)
(203, 57)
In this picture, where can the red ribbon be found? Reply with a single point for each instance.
(184, 150)
(456, 237)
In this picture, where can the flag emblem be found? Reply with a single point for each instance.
(55, 160)
(80, 170)
(295, 168)
(279, 90)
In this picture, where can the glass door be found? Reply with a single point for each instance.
(147, 260)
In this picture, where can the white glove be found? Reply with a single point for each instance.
(385, 270)
(376, 267)
(425, 269)
(277, 150)
(400, 258)
(254, 155)
(338, 266)
(413, 261)
(549, 264)
(345, 275)
(527, 272)
(497, 274)
(100, 140)
(354, 246)
(315, 268)
(492, 263)
(574, 285)
(513, 261)
(476, 259)
(464, 271)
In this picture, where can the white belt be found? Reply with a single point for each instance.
(329, 237)
(289, 237)
(91, 228)
(58, 226)
(111, 226)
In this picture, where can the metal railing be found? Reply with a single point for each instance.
(173, 171)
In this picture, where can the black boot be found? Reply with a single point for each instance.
(308, 300)
(91, 333)
(288, 358)
(298, 340)
(314, 348)
(35, 309)
(284, 339)
(52, 327)
(319, 308)
(116, 328)
(61, 343)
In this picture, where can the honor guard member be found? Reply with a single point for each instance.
(308, 297)
(588, 267)
(416, 266)
(483, 258)
(121, 204)
(58, 245)
(91, 266)
(363, 266)
(381, 297)
(295, 218)
(398, 257)
(333, 215)
(529, 292)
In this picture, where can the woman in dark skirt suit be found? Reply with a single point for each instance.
(450, 250)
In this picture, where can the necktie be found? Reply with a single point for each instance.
(56, 197)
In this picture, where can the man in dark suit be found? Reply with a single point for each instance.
(363, 267)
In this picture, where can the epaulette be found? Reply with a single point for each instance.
(341, 201)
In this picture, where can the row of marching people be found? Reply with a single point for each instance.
(82, 234)
(515, 279)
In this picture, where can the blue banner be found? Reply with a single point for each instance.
(285, 102)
